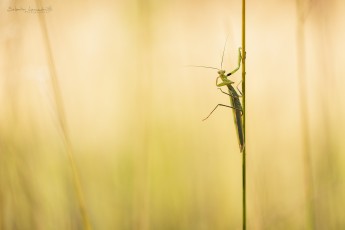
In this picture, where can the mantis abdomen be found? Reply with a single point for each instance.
(235, 102)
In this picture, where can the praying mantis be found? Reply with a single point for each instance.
(235, 103)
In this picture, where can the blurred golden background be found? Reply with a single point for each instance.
(134, 113)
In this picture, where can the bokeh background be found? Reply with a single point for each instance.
(134, 114)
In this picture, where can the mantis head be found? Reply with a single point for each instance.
(221, 72)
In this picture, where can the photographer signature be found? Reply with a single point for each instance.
(30, 10)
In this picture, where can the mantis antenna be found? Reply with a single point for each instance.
(221, 64)
(201, 66)
(210, 67)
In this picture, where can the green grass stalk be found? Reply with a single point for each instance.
(244, 199)
(62, 122)
(301, 73)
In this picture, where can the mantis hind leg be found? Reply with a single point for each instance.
(228, 106)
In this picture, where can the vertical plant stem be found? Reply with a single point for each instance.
(301, 73)
(244, 199)
(144, 91)
(62, 122)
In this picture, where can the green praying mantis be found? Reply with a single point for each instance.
(222, 80)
